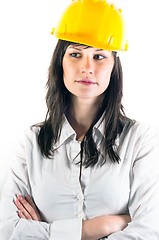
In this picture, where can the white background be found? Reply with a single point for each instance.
(26, 47)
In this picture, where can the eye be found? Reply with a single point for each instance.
(99, 57)
(75, 55)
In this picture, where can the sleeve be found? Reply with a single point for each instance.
(144, 191)
(14, 228)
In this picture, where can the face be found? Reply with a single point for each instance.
(87, 70)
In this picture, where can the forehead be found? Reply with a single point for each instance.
(83, 47)
(78, 45)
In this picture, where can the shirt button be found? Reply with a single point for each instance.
(81, 215)
(79, 197)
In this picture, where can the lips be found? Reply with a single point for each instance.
(86, 82)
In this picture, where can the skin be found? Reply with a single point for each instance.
(27, 208)
(81, 64)
(92, 229)
(87, 74)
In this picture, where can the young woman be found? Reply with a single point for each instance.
(87, 172)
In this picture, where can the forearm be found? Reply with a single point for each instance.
(92, 229)
(102, 226)
(30, 229)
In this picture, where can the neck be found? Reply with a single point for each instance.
(82, 114)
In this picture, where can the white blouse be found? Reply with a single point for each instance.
(129, 187)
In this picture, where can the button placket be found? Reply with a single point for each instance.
(74, 154)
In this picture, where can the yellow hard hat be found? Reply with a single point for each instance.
(95, 23)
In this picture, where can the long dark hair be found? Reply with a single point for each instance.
(58, 101)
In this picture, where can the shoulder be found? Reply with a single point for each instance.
(25, 145)
(140, 129)
(146, 130)
(140, 133)
(139, 144)
(30, 133)
(28, 138)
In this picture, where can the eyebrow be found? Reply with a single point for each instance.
(79, 49)
(100, 50)
(75, 48)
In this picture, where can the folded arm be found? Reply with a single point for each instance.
(92, 229)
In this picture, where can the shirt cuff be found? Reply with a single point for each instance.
(68, 229)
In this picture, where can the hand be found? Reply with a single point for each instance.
(102, 226)
(27, 208)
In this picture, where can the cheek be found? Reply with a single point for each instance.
(64, 65)
(67, 73)
(105, 76)
(66, 80)
(68, 69)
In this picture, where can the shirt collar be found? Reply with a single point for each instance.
(99, 131)
(68, 132)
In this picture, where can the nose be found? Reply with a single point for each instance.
(87, 66)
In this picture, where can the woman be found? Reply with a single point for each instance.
(87, 172)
